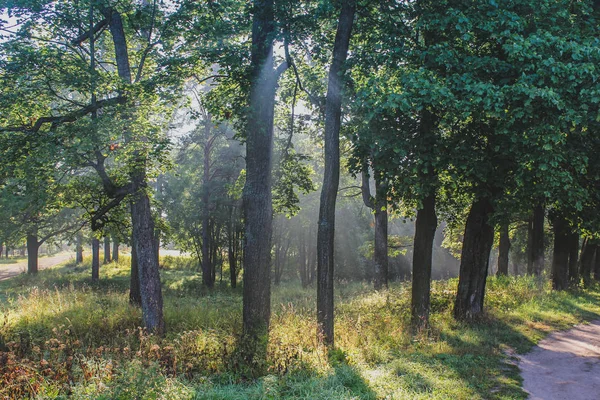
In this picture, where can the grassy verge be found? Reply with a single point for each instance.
(63, 337)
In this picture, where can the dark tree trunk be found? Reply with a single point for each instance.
(79, 249)
(95, 259)
(135, 297)
(232, 265)
(573, 258)
(145, 251)
(106, 250)
(535, 264)
(425, 227)
(503, 250)
(1, 249)
(257, 200)
(33, 246)
(477, 244)
(560, 255)
(331, 178)
(232, 247)
(588, 252)
(597, 264)
(380, 255)
(115, 249)
(379, 205)
(141, 216)
(304, 261)
(207, 266)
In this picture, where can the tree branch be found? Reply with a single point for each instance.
(71, 117)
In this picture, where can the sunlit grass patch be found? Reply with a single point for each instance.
(68, 336)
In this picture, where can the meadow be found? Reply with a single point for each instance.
(62, 337)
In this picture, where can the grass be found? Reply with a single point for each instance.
(64, 337)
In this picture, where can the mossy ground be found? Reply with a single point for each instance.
(64, 337)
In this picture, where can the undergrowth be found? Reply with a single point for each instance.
(62, 337)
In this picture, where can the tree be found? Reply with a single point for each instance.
(326, 225)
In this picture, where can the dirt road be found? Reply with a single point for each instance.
(565, 365)
(10, 270)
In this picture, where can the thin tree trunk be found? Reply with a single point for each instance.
(106, 250)
(115, 249)
(32, 253)
(79, 249)
(95, 259)
(331, 178)
(503, 250)
(207, 276)
(560, 255)
(573, 258)
(474, 261)
(135, 297)
(380, 254)
(425, 227)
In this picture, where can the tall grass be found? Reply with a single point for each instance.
(63, 337)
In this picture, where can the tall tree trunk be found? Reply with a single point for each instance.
(95, 259)
(115, 249)
(425, 227)
(135, 297)
(106, 250)
(331, 178)
(149, 275)
(560, 255)
(141, 216)
(380, 254)
(207, 276)
(503, 250)
(597, 264)
(79, 249)
(474, 261)
(32, 252)
(573, 258)
(256, 196)
(1, 249)
(379, 206)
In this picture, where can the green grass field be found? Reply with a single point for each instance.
(62, 337)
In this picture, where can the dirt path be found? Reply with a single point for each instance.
(10, 270)
(565, 365)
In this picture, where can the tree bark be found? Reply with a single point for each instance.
(560, 255)
(95, 259)
(145, 251)
(331, 178)
(207, 276)
(115, 249)
(256, 196)
(503, 250)
(33, 246)
(141, 216)
(380, 250)
(135, 297)
(573, 258)
(425, 227)
(475, 256)
(106, 250)
(79, 249)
